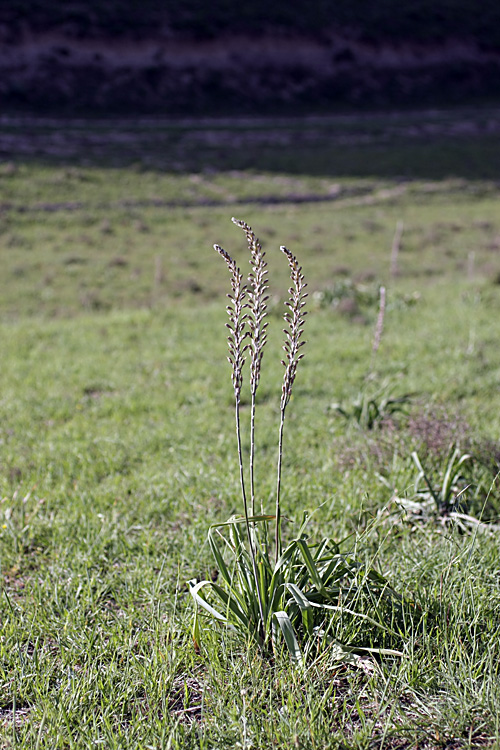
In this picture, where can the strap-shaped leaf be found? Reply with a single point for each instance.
(273, 599)
(196, 628)
(382, 651)
(447, 479)
(242, 558)
(454, 466)
(194, 588)
(423, 475)
(310, 564)
(262, 577)
(326, 549)
(242, 519)
(231, 602)
(288, 632)
(306, 608)
(286, 558)
(299, 596)
(219, 558)
(336, 569)
(286, 555)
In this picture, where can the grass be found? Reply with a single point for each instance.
(66, 263)
(116, 434)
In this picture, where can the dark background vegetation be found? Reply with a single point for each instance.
(419, 20)
(223, 57)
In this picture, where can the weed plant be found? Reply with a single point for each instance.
(445, 495)
(373, 406)
(303, 589)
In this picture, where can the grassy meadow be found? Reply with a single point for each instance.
(117, 446)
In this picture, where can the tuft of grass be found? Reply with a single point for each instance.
(373, 406)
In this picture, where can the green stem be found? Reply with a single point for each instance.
(247, 522)
(252, 455)
(277, 533)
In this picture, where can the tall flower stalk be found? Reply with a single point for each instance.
(257, 287)
(294, 318)
(237, 348)
(247, 326)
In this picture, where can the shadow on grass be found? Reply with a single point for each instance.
(430, 144)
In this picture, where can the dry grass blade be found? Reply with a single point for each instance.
(379, 328)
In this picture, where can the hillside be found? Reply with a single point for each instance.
(171, 57)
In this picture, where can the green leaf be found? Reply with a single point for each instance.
(306, 608)
(232, 602)
(288, 632)
(194, 588)
(423, 475)
(241, 519)
(278, 574)
(196, 628)
(299, 596)
(309, 562)
(286, 555)
(447, 479)
(218, 558)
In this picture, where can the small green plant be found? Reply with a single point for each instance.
(444, 494)
(371, 407)
(304, 592)
(348, 297)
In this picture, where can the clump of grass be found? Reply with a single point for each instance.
(355, 300)
(446, 493)
(374, 406)
(307, 593)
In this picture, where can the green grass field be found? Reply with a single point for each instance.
(117, 436)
